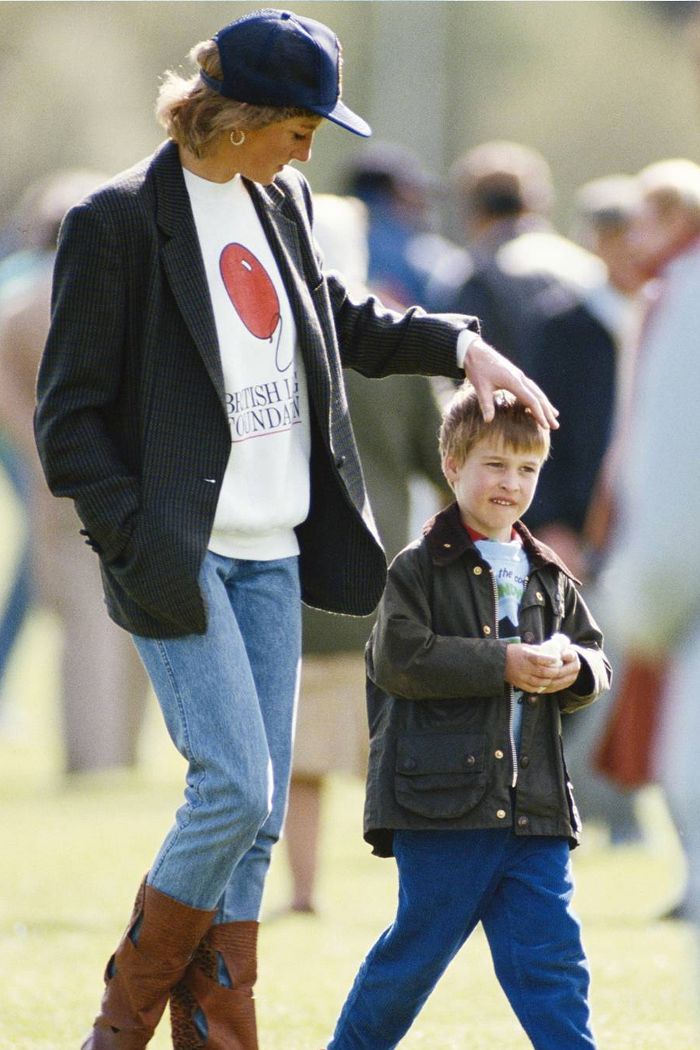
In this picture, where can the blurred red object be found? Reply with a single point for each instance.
(627, 750)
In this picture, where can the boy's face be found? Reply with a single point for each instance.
(494, 486)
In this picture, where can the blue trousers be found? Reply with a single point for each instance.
(520, 889)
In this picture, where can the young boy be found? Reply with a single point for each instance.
(467, 786)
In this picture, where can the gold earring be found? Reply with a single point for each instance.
(237, 142)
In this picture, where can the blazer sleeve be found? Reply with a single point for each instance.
(378, 342)
(372, 339)
(79, 379)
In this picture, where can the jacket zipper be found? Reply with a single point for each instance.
(511, 691)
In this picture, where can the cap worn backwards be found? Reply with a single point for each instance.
(276, 58)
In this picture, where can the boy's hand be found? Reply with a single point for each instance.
(488, 371)
(532, 671)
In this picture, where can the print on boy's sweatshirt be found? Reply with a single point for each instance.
(510, 568)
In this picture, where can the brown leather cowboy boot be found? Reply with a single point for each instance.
(140, 976)
(228, 1012)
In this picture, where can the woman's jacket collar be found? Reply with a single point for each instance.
(169, 178)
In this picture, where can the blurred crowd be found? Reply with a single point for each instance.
(604, 316)
(102, 686)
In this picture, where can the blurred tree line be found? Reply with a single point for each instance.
(598, 87)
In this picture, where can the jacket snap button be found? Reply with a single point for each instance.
(498, 754)
(478, 570)
(523, 822)
(524, 761)
(487, 629)
(539, 596)
(528, 637)
(340, 461)
(470, 760)
(501, 814)
(409, 763)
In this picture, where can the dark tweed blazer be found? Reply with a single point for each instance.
(131, 420)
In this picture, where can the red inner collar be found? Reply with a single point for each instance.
(480, 536)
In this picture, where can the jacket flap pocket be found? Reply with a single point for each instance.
(425, 754)
(438, 775)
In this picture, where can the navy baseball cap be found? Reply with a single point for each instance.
(276, 58)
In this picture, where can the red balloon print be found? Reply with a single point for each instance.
(250, 290)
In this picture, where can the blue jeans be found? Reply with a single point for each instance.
(228, 698)
(520, 889)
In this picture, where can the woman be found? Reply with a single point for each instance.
(190, 401)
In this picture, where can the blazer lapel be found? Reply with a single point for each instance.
(289, 250)
(182, 260)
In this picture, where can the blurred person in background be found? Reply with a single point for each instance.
(21, 247)
(103, 687)
(504, 194)
(580, 347)
(17, 591)
(395, 448)
(652, 578)
(405, 249)
(191, 402)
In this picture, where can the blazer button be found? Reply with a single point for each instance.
(340, 461)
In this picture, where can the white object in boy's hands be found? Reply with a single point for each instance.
(555, 646)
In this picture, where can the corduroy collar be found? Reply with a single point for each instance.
(448, 540)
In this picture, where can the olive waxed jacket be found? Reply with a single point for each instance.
(441, 751)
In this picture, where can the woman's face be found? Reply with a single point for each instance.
(266, 150)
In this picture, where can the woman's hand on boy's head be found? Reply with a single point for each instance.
(488, 371)
(533, 671)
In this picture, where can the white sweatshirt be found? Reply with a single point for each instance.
(265, 491)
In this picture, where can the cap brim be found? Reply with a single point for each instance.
(345, 118)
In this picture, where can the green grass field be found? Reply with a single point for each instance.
(73, 853)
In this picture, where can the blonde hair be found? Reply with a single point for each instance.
(194, 114)
(463, 425)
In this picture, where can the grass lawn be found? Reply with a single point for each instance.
(73, 854)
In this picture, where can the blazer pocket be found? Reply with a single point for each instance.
(439, 775)
(152, 571)
(126, 555)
